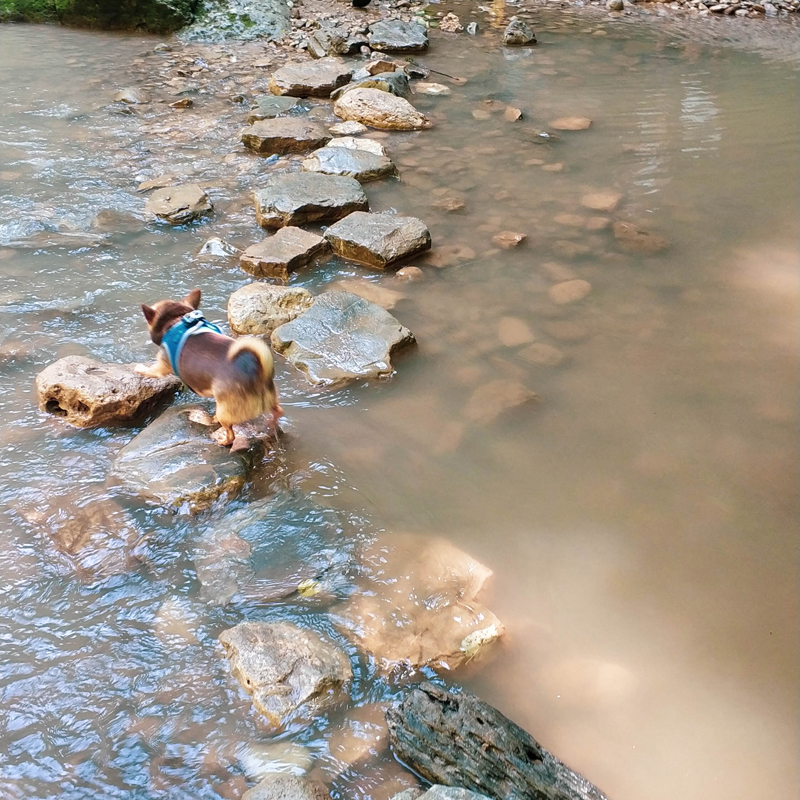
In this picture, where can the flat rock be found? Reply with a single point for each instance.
(416, 603)
(292, 673)
(375, 293)
(601, 201)
(571, 123)
(514, 332)
(518, 33)
(508, 239)
(178, 205)
(353, 163)
(349, 128)
(159, 182)
(284, 135)
(569, 291)
(270, 106)
(545, 355)
(493, 399)
(215, 247)
(132, 96)
(90, 394)
(287, 250)
(395, 36)
(431, 88)
(392, 82)
(173, 461)
(310, 78)
(349, 143)
(635, 240)
(301, 197)
(378, 240)
(380, 110)
(288, 787)
(341, 337)
(258, 308)
(332, 39)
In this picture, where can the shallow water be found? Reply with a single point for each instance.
(641, 519)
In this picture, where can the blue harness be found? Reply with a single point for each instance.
(175, 337)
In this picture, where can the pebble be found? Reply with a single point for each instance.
(410, 274)
(512, 114)
(571, 123)
(508, 239)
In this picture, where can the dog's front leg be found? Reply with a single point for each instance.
(160, 368)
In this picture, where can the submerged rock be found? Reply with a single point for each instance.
(396, 36)
(310, 78)
(292, 674)
(173, 461)
(380, 110)
(287, 787)
(270, 106)
(287, 250)
(493, 399)
(301, 197)
(571, 123)
(341, 337)
(518, 33)
(223, 20)
(569, 291)
(635, 240)
(601, 201)
(378, 240)
(90, 394)
(259, 308)
(374, 292)
(351, 162)
(283, 135)
(179, 205)
(132, 96)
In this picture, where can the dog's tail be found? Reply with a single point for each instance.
(253, 357)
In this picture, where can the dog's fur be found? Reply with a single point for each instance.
(237, 373)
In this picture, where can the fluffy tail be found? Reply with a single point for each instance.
(253, 357)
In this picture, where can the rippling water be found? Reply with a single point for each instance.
(641, 520)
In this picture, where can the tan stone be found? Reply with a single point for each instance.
(572, 220)
(512, 114)
(636, 240)
(258, 308)
(508, 239)
(514, 332)
(380, 110)
(283, 135)
(289, 249)
(544, 355)
(374, 292)
(601, 201)
(410, 274)
(557, 167)
(571, 123)
(179, 204)
(569, 291)
(493, 399)
(448, 255)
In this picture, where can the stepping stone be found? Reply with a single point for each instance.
(380, 110)
(89, 394)
(359, 164)
(310, 78)
(349, 128)
(518, 33)
(269, 106)
(286, 251)
(392, 82)
(341, 337)
(284, 135)
(378, 240)
(301, 197)
(259, 308)
(179, 205)
(370, 145)
(395, 36)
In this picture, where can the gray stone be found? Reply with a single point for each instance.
(300, 197)
(354, 163)
(179, 205)
(349, 128)
(370, 145)
(174, 462)
(132, 96)
(270, 106)
(378, 240)
(439, 792)
(287, 250)
(239, 20)
(284, 135)
(89, 394)
(380, 110)
(332, 39)
(518, 33)
(341, 337)
(287, 787)
(310, 78)
(217, 248)
(259, 308)
(392, 82)
(292, 674)
(395, 36)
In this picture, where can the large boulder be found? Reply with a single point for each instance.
(284, 135)
(179, 205)
(416, 603)
(378, 240)
(380, 110)
(90, 394)
(238, 20)
(259, 308)
(310, 78)
(351, 162)
(300, 197)
(289, 249)
(396, 36)
(341, 337)
(292, 674)
(174, 462)
(289, 787)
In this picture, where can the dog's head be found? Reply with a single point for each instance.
(166, 313)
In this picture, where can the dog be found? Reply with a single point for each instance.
(238, 373)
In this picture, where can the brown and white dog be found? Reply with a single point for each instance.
(237, 373)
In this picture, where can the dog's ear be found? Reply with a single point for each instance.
(193, 298)
(149, 313)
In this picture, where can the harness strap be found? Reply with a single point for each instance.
(175, 338)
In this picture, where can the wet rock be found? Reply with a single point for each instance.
(472, 28)
(302, 197)
(514, 332)
(417, 605)
(410, 274)
(512, 114)
(158, 182)
(353, 163)
(369, 145)
(184, 102)
(378, 240)
(375, 293)
(378, 65)
(392, 82)
(557, 167)
(508, 239)
(310, 78)
(284, 135)
(396, 36)
(518, 33)
(597, 223)
(601, 201)
(270, 106)
(615, 5)
(569, 291)
(109, 220)
(289, 249)
(380, 110)
(292, 674)
(349, 128)
(173, 461)
(222, 563)
(432, 88)
(565, 330)
(450, 204)
(176, 622)
(259, 308)
(440, 792)
(287, 787)
(341, 337)
(450, 23)
(90, 394)
(635, 240)
(567, 249)
(215, 247)
(238, 20)
(362, 735)
(332, 39)
(571, 123)
(179, 205)
(132, 97)
(448, 255)
(572, 220)
(545, 355)
(260, 759)
(491, 400)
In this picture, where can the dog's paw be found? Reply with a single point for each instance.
(220, 436)
(142, 369)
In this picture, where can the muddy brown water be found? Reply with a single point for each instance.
(641, 519)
